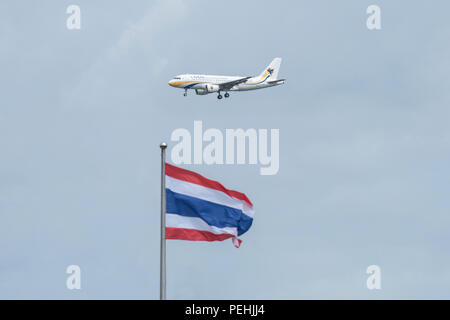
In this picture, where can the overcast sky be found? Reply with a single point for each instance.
(364, 147)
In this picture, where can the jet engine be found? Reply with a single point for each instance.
(207, 88)
(201, 92)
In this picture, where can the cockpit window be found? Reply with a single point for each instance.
(177, 78)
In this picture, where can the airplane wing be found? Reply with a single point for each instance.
(230, 84)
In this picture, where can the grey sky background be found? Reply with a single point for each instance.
(364, 147)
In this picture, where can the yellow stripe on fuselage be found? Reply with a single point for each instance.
(260, 79)
(180, 83)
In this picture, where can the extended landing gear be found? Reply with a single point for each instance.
(185, 92)
(219, 96)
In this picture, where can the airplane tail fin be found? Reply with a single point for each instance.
(272, 69)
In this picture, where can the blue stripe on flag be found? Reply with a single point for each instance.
(212, 213)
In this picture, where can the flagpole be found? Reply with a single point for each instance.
(162, 292)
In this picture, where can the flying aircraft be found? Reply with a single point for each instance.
(204, 84)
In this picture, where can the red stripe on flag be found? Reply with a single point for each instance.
(192, 177)
(194, 235)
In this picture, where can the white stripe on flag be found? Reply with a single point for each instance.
(208, 194)
(177, 221)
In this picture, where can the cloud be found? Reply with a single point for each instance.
(142, 32)
(116, 67)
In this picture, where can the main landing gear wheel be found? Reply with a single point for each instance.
(219, 96)
(227, 95)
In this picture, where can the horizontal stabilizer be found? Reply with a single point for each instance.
(280, 81)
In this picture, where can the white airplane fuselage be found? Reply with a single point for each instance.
(198, 81)
(204, 84)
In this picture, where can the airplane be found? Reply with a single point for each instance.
(205, 84)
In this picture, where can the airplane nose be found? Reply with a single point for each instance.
(171, 83)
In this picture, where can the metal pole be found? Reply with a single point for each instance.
(162, 295)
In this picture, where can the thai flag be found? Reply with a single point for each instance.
(199, 209)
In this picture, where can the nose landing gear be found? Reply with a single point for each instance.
(227, 94)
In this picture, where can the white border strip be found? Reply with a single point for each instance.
(208, 194)
(177, 221)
